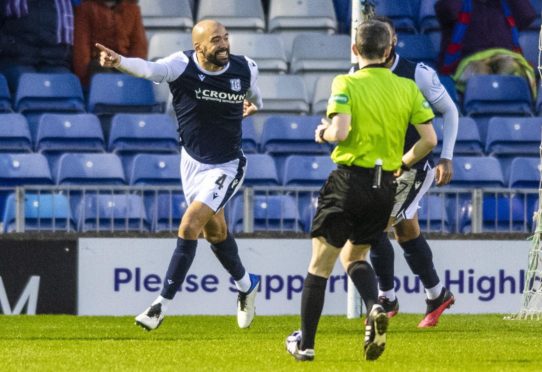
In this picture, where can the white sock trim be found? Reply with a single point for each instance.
(243, 284)
(162, 300)
(434, 292)
(390, 295)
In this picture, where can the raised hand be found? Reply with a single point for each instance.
(108, 57)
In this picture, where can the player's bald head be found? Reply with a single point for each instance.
(204, 30)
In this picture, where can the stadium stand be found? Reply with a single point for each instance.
(449, 85)
(114, 93)
(427, 19)
(162, 44)
(155, 169)
(249, 139)
(89, 169)
(470, 171)
(59, 133)
(468, 140)
(40, 92)
(432, 215)
(42, 212)
(162, 15)
(236, 15)
(528, 40)
(24, 169)
(5, 95)
(165, 210)
(400, 12)
(513, 136)
(14, 133)
(417, 48)
(134, 133)
(302, 15)
(289, 134)
(283, 94)
(267, 50)
(271, 213)
(261, 171)
(306, 170)
(320, 96)
(537, 4)
(111, 212)
(525, 173)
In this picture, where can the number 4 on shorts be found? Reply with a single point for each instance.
(220, 181)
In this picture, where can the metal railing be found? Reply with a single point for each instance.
(257, 208)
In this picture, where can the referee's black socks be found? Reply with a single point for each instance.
(364, 278)
(312, 303)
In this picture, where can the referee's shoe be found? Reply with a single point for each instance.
(246, 309)
(376, 326)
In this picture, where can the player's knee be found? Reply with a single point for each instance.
(215, 237)
(189, 230)
(407, 230)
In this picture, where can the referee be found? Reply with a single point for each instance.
(370, 111)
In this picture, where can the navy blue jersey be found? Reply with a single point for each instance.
(209, 108)
(407, 69)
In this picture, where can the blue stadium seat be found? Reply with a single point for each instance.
(470, 171)
(112, 93)
(320, 53)
(500, 214)
(427, 19)
(400, 13)
(525, 173)
(432, 214)
(307, 208)
(5, 96)
(497, 95)
(43, 212)
(468, 140)
(261, 170)
(417, 48)
(134, 133)
(449, 85)
(271, 213)
(235, 15)
(302, 15)
(283, 94)
(165, 210)
(89, 169)
(249, 137)
(42, 92)
(535, 25)
(528, 40)
(170, 15)
(111, 212)
(267, 50)
(290, 134)
(513, 136)
(14, 133)
(306, 170)
(538, 104)
(155, 169)
(24, 169)
(69, 133)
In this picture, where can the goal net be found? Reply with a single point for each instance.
(531, 306)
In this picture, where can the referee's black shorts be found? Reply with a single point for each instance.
(349, 208)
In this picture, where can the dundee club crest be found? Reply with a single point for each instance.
(235, 84)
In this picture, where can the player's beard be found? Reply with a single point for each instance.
(213, 57)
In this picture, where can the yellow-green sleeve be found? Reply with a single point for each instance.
(421, 111)
(340, 101)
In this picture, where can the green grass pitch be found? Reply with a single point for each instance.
(214, 343)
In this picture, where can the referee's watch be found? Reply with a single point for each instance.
(321, 134)
(404, 167)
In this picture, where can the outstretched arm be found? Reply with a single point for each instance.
(167, 69)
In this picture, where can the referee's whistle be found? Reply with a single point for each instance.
(377, 178)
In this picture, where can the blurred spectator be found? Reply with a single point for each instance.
(35, 35)
(482, 37)
(117, 24)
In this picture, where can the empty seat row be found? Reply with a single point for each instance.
(96, 212)
(57, 133)
(89, 169)
(284, 15)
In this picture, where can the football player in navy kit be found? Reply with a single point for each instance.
(212, 91)
(411, 187)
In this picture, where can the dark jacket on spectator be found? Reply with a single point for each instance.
(32, 38)
(488, 27)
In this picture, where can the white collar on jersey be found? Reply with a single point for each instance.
(395, 63)
(219, 72)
